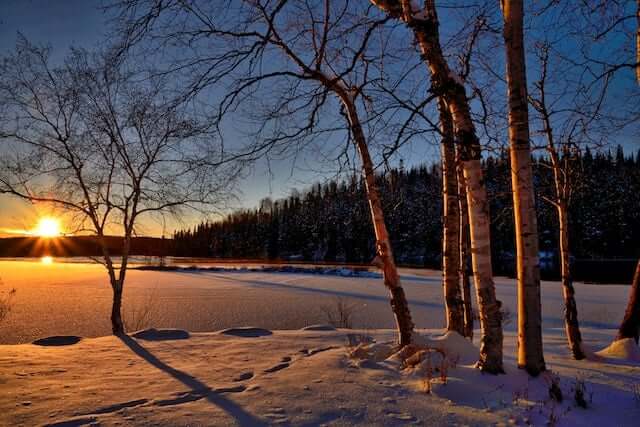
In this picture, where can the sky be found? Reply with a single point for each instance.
(82, 23)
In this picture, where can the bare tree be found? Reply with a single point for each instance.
(563, 179)
(638, 41)
(465, 255)
(571, 111)
(530, 353)
(447, 84)
(630, 326)
(105, 144)
(319, 62)
(454, 305)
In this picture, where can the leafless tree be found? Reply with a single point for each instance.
(299, 72)
(451, 258)
(630, 325)
(465, 255)
(423, 21)
(108, 145)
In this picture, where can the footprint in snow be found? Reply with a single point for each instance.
(402, 416)
(276, 368)
(243, 376)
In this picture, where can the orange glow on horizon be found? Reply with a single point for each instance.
(47, 227)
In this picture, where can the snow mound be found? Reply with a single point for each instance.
(246, 332)
(161, 334)
(58, 340)
(319, 328)
(624, 349)
(371, 352)
(454, 345)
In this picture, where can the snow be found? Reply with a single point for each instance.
(252, 372)
(293, 378)
(624, 349)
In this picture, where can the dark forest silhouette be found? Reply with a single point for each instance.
(329, 222)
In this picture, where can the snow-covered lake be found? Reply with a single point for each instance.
(75, 298)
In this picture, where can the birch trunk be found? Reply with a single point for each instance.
(451, 226)
(452, 90)
(571, 325)
(630, 326)
(447, 85)
(464, 255)
(530, 353)
(562, 187)
(638, 41)
(384, 253)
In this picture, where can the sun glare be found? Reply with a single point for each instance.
(46, 260)
(47, 227)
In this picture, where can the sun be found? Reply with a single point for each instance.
(47, 227)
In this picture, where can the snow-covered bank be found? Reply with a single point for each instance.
(290, 269)
(254, 377)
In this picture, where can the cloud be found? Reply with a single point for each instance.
(14, 231)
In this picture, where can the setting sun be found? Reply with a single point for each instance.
(47, 227)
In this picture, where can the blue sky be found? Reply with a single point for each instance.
(62, 23)
(83, 23)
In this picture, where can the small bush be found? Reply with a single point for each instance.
(555, 393)
(580, 393)
(340, 313)
(6, 301)
(140, 316)
(425, 359)
(635, 389)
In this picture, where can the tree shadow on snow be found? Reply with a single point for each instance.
(333, 292)
(199, 389)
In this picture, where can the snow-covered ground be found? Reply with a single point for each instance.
(75, 299)
(291, 378)
(271, 376)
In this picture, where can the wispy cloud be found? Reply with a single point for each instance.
(14, 231)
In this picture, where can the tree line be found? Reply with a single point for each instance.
(328, 222)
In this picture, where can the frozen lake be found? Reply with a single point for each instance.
(75, 299)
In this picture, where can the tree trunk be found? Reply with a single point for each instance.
(530, 353)
(638, 41)
(449, 86)
(464, 255)
(488, 305)
(571, 325)
(117, 326)
(384, 252)
(630, 326)
(451, 226)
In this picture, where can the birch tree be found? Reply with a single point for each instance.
(530, 353)
(451, 233)
(563, 180)
(317, 58)
(89, 138)
(630, 325)
(463, 264)
(423, 22)
(573, 110)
